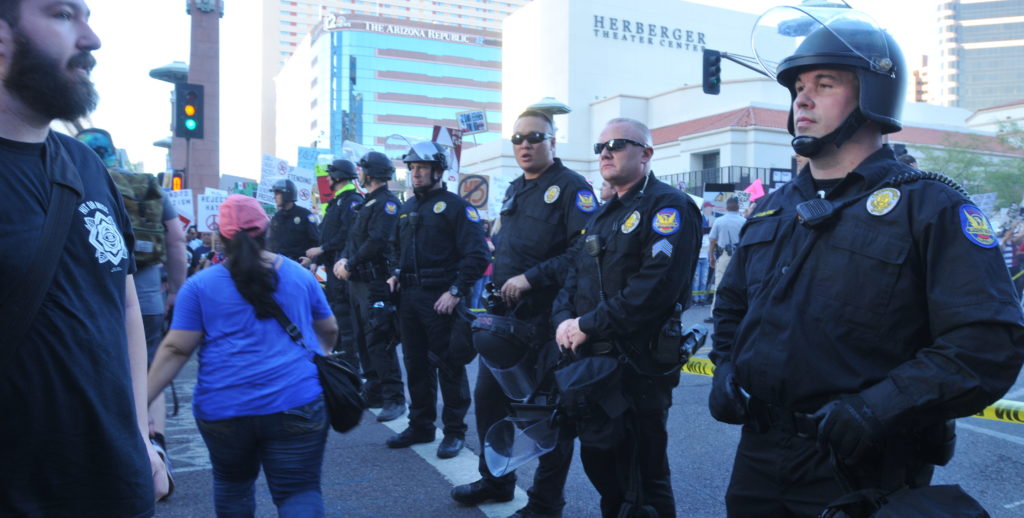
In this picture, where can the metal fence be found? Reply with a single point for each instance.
(739, 176)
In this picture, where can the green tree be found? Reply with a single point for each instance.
(964, 160)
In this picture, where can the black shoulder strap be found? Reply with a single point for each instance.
(22, 302)
(289, 327)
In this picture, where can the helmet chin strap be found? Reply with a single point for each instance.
(811, 146)
(423, 189)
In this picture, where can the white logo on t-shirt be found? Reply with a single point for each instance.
(103, 233)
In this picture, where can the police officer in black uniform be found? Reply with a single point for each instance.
(364, 263)
(440, 252)
(338, 220)
(867, 305)
(542, 215)
(293, 228)
(622, 289)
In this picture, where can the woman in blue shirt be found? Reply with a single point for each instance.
(258, 398)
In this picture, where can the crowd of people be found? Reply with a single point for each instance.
(848, 332)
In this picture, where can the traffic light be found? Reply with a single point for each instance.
(178, 180)
(188, 111)
(712, 71)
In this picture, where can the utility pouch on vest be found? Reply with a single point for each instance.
(667, 348)
(144, 203)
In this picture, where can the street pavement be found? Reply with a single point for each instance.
(363, 478)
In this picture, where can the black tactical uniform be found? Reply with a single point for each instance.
(540, 221)
(367, 252)
(292, 232)
(440, 248)
(338, 221)
(650, 240)
(903, 300)
(859, 315)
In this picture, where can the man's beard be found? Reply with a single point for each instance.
(42, 84)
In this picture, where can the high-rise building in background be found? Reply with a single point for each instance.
(384, 82)
(981, 54)
(291, 21)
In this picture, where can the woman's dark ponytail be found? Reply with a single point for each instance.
(253, 278)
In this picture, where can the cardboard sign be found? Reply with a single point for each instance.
(209, 206)
(272, 169)
(183, 203)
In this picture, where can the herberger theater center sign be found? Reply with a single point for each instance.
(647, 33)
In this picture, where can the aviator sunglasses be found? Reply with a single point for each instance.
(533, 137)
(615, 144)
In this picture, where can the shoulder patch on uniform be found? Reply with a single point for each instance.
(551, 195)
(390, 207)
(882, 201)
(976, 226)
(631, 222)
(585, 201)
(296, 220)
(354, 206)
(666, 222)
(766, 213)
(662, 247)
(472, 215)
(311, 218)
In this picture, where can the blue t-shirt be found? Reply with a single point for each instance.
(71, 444)
(247, 366)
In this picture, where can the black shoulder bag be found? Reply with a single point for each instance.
(339, 380)
(22, 301)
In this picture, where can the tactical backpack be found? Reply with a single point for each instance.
(143, 200)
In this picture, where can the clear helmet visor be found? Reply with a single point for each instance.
(858, 40)
(518, 439)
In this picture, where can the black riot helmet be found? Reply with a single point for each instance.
(430, 153)
(377, 165)
(342, 169)
(845, 39)
(504, 344)
(286, 188)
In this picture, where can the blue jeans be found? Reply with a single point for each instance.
(290, 447)
(700, 282)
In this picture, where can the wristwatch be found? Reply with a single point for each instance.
(455, 291)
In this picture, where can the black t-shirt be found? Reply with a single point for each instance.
(70, 443)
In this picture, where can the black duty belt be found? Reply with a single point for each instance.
(764, 416)
(429, 279)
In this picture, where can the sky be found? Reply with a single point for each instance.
(138, 36)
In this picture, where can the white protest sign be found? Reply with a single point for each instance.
(272, 170)
(209, 206)
(182, 202)
(210, 191)
(305, 180)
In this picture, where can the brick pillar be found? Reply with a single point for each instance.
(203, 168)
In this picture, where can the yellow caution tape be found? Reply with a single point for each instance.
(1003, 410)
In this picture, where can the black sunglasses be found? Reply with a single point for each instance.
(615, 144)
(533, 137)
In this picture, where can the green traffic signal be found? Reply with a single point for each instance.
(190, 124)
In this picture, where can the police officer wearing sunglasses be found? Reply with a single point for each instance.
(622, 288)
(542, 215)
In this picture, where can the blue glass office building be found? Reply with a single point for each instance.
(376, 77)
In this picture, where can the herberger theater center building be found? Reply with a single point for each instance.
(643, 59)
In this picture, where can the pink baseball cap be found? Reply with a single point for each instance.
(241, 213)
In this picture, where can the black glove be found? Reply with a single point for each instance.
(725, 401)
(850, 427)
